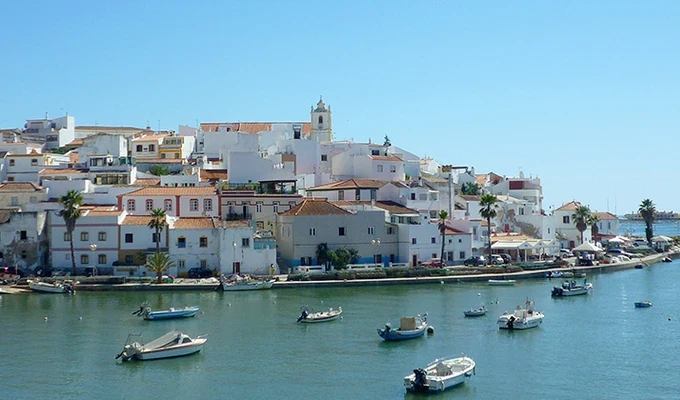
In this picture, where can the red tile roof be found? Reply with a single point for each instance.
(63, 171)
(310, 207)
(571, 206)
(196, 223)
(147, 182)
(251, 127)
(603, 216)
(16, 187)
(389, 206)
(353, 183)
(386, 158)
(137, 220)
(213, 175)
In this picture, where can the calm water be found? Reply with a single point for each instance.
(594, 347)
(637, 228)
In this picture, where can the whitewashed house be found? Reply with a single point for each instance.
(18, 195)
(194, 242)
(23, 239)
(146, 147)
(565, 229)
(52, 133)
(176, 201)
(138, 241)
(251, 206)
(609, 224)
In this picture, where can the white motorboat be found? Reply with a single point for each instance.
(440, 375)
(523, 318)
(146, 312)
(571, 288)
(56, 287)
(239, 283)
(310, 317)
(172, 344)
(475, 312)
(501, 282)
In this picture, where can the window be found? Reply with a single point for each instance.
(139, 147)
(320, 119)
(131, 205)
(413, 196)
(155, 237)
(84, 259)
(565, 219)
(390, 230)
(15, 201)
(371, 230)
(521, 211)
(393, 168)
(312, 231)
(181, 242)
(101, 259)
(84, 236)
(258, 207)
(380, 168)
(22, 235)
(461, 255)
(433, 241)
(129, 259)
(193, 205)
(181, 264)
(305, 260)
(34, 162)
(101, 236)
(375, 152)
(434, 214)
(11, 163)
(152, 147)
(167, 205)
(341, 231)
(341, 195)
(149, 204)
(374, 194)
(207, 205)
(324, 157)
(203, 241)
(67, 237)
(128, 238)
(434, 255)
(357, 194)
(204, 264)
(245, 242)
(276, 207)
(449, 256)
(414, 241)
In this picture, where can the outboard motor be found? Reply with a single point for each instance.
(420, 381)
(511, 323)
(303, 315)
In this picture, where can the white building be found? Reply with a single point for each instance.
(23, 239)
(176, 201)
(565, 229)
(52, 133)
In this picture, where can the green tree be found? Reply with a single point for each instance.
(159, 263)
(443, 216)
(157, 223)
(647, 211)
(70, 212)
(580, 218)
(469, 188)
(594, 229)
(488, 210)
(323, 254)
(159, 170)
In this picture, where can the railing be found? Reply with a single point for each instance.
(236, 217)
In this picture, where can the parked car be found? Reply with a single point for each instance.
(496, 259)
(475, 261)
(506, 258)
(198, 273)
(566, 253)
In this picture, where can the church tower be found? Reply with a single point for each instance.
(321, 122)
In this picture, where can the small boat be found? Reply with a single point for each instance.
(643, 304)
(309, 316)
(667, 259)
(440, 375)
(501, 282)
(553, 274)
(409, 328)
(567, 274)
(522, 318)
(56, 287)
(172, 344)
(571, 288)
(239, 283)
(639, 266)
(146, 312)
(475, 312)
(579, 274)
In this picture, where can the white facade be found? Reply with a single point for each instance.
(250, 168)
(102, 144)
(146, 147)
(23, 239)
(565, 229)
(176, 201)
(54, 133)
(194, 243)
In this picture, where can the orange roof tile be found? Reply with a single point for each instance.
(470, 197)
(571, 206)
(389, 206)
(251, 127)
(309, 207)
(137, 220)
(213, 174)
(173, 191)
(147, 182)
(353, 183)
(603, 216)
(386, 158)
(20, 187)
(64, 171)
(196, 223)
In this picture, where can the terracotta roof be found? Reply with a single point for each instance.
(353, 183)
(196, 223)
(137, 220)
(147, 182)
(389, 206)
(75, 143)
(386, 158)
(251, 127)
(160, 161)
(470, 197)
(603, 216)
(213, 175)
(571, 206)
(33, 153)
(492, 178)
(63, 171)
(173, 191)
(149, 138)
(241, 223)
(309, 207)
(510, 237)
(454, 231)
(17, 187)
(104, 212)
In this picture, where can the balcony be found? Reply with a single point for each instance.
(238, 217)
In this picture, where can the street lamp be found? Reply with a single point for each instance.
(376, 257)
(93, 248)
(233, 264)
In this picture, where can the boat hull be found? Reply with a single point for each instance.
(398, 334)
(47, 288)
(179, 351)
(457, 372)
(643, 304)
(475, 313)
(318, 317)
(171, 314)
(237, 287)
(497, 282)
(520, 324)
(574, 291)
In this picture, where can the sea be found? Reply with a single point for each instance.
(668, 228)
(597, 346)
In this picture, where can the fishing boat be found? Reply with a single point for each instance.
(310, 317)
(521, 318)
(643, 304)
(440, 375)
(409, 328)
(56, 287)
(475, 312)
(501, 282)
(571, 288)
(239, 283)
(172, 344)
(146, 312)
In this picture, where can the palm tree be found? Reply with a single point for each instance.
(159, 263)
(443, 216)
(647, 211)
(580, 218)
(323, 254)
(488, 210)
(71, 203)
(594, 229)
(157, 223)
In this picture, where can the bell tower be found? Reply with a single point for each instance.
(321, 122)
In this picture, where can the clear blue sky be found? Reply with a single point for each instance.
(583, 94)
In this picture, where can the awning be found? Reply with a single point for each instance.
(511, 245)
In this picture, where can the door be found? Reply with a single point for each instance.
(415, 260)
(236, 268)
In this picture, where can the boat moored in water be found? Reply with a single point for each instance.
(239, 283)
(56, 287)
(309, 316)
(172, 344)
(522, 318)
(146, 312)
(409, 328)
(571, 288)
(501, 282)
(643, 304)
(475, 312)
(440, 375)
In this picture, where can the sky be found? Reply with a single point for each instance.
(582, 94)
